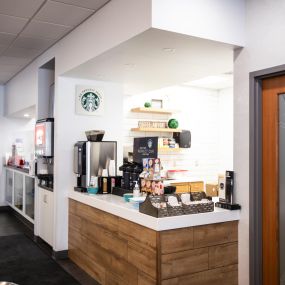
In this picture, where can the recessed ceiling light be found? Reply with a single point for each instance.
(130, 65)
(170, 50)
(26, 115)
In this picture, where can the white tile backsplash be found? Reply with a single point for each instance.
(200, 113)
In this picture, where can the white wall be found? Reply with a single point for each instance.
(265, 23)
(200, 109)
(219, 20)
(70, 128)
(226, 126)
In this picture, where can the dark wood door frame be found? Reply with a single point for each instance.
(255, 169)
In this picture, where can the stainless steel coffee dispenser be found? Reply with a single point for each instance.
(94, 159)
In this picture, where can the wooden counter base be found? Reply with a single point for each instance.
(116, 251)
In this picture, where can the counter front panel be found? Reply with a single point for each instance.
(114, 250)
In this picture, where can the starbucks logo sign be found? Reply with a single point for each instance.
(89, 101)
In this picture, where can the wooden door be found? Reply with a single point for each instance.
(272, 89)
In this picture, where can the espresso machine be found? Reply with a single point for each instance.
(95, 160)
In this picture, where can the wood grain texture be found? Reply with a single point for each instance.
(215, 234)
(271, 88)
(220, 276)
(223, 255)
(143, 259)
(196, 186)
(184, 263)
(127, 253)
(144, 279)
(176, 240)
(137, 234)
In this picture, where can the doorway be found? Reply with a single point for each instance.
(267, 177)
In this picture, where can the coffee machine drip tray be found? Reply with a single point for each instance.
(46, 181)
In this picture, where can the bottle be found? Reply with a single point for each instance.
(136, 191)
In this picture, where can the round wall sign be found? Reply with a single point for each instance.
(90, 101)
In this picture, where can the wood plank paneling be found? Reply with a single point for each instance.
(223, 255)
(183, 263)
(144, 279)
(106, 239)
(176, 240)
(220, 276)
(137, 234)
(114, 279)
(130, 254)
(143, 259)
(88, 265)
(215, 234)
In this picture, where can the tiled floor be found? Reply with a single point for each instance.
(11, 226)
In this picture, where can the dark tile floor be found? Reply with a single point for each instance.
(10, 225)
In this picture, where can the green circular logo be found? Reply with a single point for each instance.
(90, 101)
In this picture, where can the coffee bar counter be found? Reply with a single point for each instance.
(116, 205)
(116, 244)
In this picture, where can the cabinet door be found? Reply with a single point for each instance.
(18, 190)
(46, 216)
(181, 187)
(9, 186)
(196, 186)
(30, 197)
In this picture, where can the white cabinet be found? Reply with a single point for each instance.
(9, 186)
(46, 207)
(20, 192)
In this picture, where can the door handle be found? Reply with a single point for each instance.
(45, 198)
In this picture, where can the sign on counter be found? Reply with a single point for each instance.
(145, 148)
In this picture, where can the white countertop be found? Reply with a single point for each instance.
(117, 206)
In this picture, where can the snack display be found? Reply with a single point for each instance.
(150, 178)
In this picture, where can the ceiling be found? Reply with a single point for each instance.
(29, 27)
(157, 59)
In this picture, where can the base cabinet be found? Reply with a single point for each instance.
(46, 215)
(116, 251)
(20, 192)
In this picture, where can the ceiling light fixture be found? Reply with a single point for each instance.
(170, 50)
(26, 115)
(130, 65)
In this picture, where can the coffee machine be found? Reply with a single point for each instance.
(94, 160)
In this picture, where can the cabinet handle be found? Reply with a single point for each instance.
(45, 198)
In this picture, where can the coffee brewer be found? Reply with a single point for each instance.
(95, 160)
(131, 172)
(226, 192)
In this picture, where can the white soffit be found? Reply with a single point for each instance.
(29, 27)
(157, 59)
(215, 82)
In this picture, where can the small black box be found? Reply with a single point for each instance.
(183, 138)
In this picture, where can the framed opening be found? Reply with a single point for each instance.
(255, 175)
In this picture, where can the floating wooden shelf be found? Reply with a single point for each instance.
(153, 111)
(157, 130)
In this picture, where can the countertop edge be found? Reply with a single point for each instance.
(125, 211)
(19, 170)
